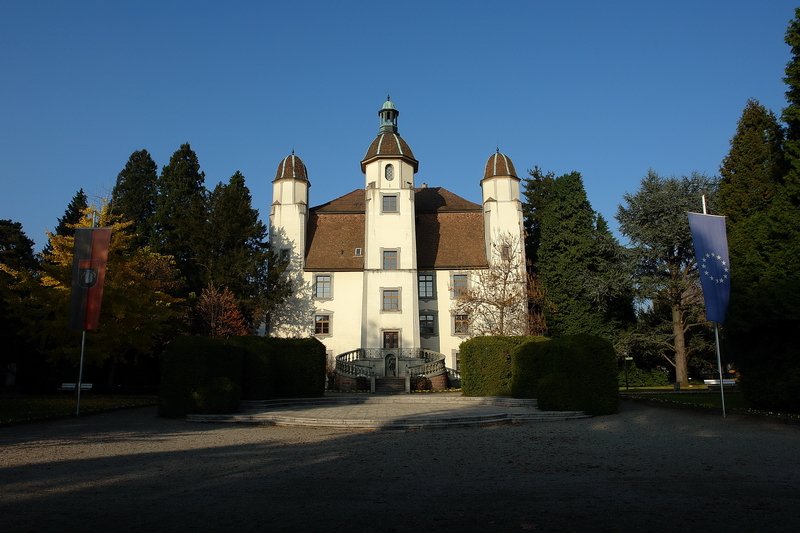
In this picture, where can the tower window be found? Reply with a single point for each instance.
(391, 300)
(390, 259)
(389, 172)
(427, 324)
(390, 203)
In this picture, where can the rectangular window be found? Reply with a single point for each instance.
(460, 324)
(459, 284)
(426, 324)
(391, 300)
(390, 259)
(390, 203)
(285, 254)
(322, 286)
(425, 285)
(322, 324)
(458, 361)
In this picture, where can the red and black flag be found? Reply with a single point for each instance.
(88, 273)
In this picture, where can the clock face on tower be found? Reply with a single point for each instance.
(389, 172)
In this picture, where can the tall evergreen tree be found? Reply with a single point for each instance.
(764, 236)
(537, 187)
(237, 244)
(655, 221)
(75, 211)
(579, 264)
(134, 195)
(180, 223)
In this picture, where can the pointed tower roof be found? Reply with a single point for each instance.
(291, 167)
(388, 143)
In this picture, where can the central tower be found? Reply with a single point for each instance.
(390, 300)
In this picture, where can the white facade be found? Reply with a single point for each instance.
(364, 274)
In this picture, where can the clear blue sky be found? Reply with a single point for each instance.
(610, 89)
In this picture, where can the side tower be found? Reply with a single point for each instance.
(502, 208)
(288, 215)
(390, 301)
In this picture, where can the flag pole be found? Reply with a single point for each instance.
(716, 339)
(719, 366)
(80, 374)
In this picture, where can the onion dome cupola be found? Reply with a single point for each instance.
(388, 144)
(499, 165)
(291, 167)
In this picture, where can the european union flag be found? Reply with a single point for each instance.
(711, 250)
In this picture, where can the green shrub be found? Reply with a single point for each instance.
(218, 395)
(199, 374)
(282, 368)
(576, 372)
(639, 377)
(486, 365)
(524, 377)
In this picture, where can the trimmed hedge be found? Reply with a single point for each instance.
(486, 365)
(282, 368)
(200, 375)
(210, 375)
(576, 372)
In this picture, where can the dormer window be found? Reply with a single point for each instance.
(389, 172)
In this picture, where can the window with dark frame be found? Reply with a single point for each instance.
(390, 203)
(390, 259)
(391, 300)
(425, 285)
(460, 324)
(427, 325)
(322, 324)
(322, 286)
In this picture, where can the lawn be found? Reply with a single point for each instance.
(27, 408)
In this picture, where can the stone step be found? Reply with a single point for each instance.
(390, 385)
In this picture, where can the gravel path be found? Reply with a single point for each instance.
(647, 469)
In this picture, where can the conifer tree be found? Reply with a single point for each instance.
(580, 265)
(76, 209)
(134, 195)
(180, 220)
(654, 220)
(237, 244)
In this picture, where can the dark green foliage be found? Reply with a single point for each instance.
(579, 263)
(16, 249)
(762, 201)
(656, 223)
(525, 380)
(576, 372)
(180, 219)
(486, 365)
(200, 375)
(134, 195)
(75, 211)
(640, 377)
(536, 192)
(282, 368)
(237, 246)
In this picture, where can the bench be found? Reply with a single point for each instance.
(713, 384)
(72, 386)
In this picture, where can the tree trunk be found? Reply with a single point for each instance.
(681, 373)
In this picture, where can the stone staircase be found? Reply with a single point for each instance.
(390, 385)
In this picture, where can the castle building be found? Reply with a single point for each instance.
(381, 268)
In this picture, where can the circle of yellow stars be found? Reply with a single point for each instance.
(706, 267)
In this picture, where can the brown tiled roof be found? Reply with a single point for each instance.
(450, 240)
(389, 144)
(352, 202)
(499, 165)
(291, 166)
(449, 232)
(437, 199)
(332, 240)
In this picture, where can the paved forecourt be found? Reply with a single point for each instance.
(417, 411)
